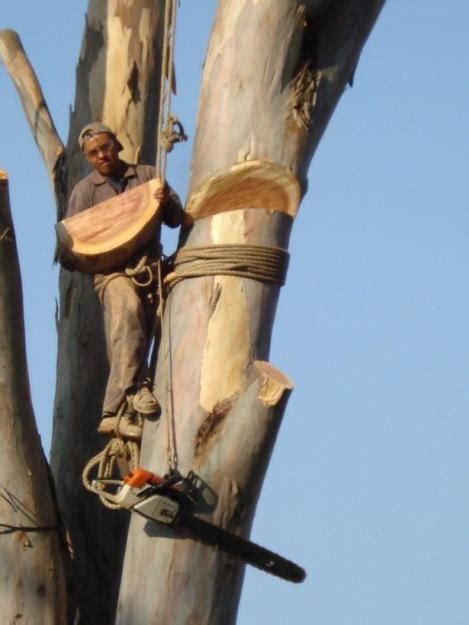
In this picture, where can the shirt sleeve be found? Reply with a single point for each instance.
(173, 211)
(80, 199)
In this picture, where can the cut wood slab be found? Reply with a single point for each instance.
(249, 184)
(105, 236)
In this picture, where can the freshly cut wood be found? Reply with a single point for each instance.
(249, 184)
(105, 236)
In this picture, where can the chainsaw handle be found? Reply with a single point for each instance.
(139, 477)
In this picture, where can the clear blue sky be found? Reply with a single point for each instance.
(368, 485)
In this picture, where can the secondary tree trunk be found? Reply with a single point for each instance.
(32, 588)
(273, 75)
(117, 82)
(118, 79)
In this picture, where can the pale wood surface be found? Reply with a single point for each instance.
(32, 583)
(249, 184)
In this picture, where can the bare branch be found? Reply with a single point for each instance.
(37, 113)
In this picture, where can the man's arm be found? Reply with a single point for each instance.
(172, 207)
(79, 200)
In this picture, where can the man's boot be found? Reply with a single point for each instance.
(124, 426)
(145, 402)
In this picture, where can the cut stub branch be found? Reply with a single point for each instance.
(36, 110)
(32, 586)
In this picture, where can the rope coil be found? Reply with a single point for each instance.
(264, 263)
(106, 460)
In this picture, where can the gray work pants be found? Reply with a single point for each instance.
(128, 322)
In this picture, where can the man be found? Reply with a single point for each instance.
(129, 309)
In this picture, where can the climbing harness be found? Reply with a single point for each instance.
(172, 501)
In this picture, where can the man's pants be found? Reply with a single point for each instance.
(128, 322)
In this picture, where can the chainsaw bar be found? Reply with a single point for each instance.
(245, 550)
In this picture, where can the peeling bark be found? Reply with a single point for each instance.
(32, 588)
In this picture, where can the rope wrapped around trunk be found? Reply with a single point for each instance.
(258, 262)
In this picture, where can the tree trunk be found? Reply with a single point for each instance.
(273, 75)
(32, 588)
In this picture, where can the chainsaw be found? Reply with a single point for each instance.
(171, 500)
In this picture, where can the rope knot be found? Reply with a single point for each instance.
(173, 133)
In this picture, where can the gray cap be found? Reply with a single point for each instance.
(93, 129)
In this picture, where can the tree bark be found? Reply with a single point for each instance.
(272, 77)
(32, 588)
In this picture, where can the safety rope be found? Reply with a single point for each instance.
(170, 131)
(258, 262)
(169, 128)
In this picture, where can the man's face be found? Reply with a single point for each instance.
(102, 153)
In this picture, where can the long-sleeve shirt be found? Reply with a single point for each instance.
(96, 188)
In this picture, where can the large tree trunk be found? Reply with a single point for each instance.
(273, 75)
(32, 588)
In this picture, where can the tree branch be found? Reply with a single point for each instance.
(37, 112)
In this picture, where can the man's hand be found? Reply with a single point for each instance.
(161, 194)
